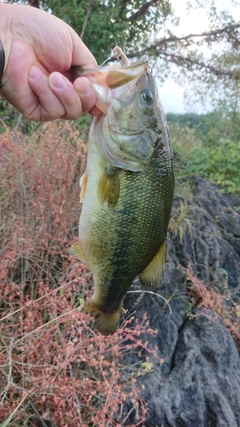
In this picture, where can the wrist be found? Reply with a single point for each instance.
(6, 12)
(2, 62)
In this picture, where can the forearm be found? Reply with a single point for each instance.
(6, 13)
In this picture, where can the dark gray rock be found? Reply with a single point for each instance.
(198, 385)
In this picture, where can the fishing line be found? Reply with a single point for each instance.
(152, 293)
(118, 54)
(111, 56)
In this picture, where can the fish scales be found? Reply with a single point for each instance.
(120, 239)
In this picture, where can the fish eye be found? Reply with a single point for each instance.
(147, 96)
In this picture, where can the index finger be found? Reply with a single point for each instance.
(81, 54)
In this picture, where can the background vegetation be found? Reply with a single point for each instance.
(208, 145)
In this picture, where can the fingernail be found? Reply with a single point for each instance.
(58, 81)
(85, 89)
(34, 73)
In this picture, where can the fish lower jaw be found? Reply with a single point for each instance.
(106, 322)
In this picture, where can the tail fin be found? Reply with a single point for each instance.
(106, 322)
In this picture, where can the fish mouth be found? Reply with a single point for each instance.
(113, 77)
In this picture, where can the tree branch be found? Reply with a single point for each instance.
(142, 11)
(228, 29)
(34, 3)
(157, 47)
(218, 72)
(86, 18)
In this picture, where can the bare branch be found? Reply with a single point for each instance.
(155, 48)
(34, 3)
(190, 61)
(166, 49)
(86, 18)
(228, 30)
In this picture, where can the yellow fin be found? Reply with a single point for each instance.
(83, 185)
(109, 185)
(153, 273)
(105, 322)
(77, 252)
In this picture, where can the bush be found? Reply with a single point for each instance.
(218, 163)
(61, 370)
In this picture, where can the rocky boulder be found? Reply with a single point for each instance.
(198, 385)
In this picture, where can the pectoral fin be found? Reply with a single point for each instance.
(153, 273)
(77, 252)
(109, 186)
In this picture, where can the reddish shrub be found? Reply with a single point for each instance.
(53, 365)
(223, 305)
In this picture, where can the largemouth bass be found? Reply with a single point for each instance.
(126, 190)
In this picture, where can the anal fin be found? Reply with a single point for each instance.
(153, 273)
(77, 252)
(109, 185)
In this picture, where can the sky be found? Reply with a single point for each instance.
(171, 93)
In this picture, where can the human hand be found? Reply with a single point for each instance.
(39, 51)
